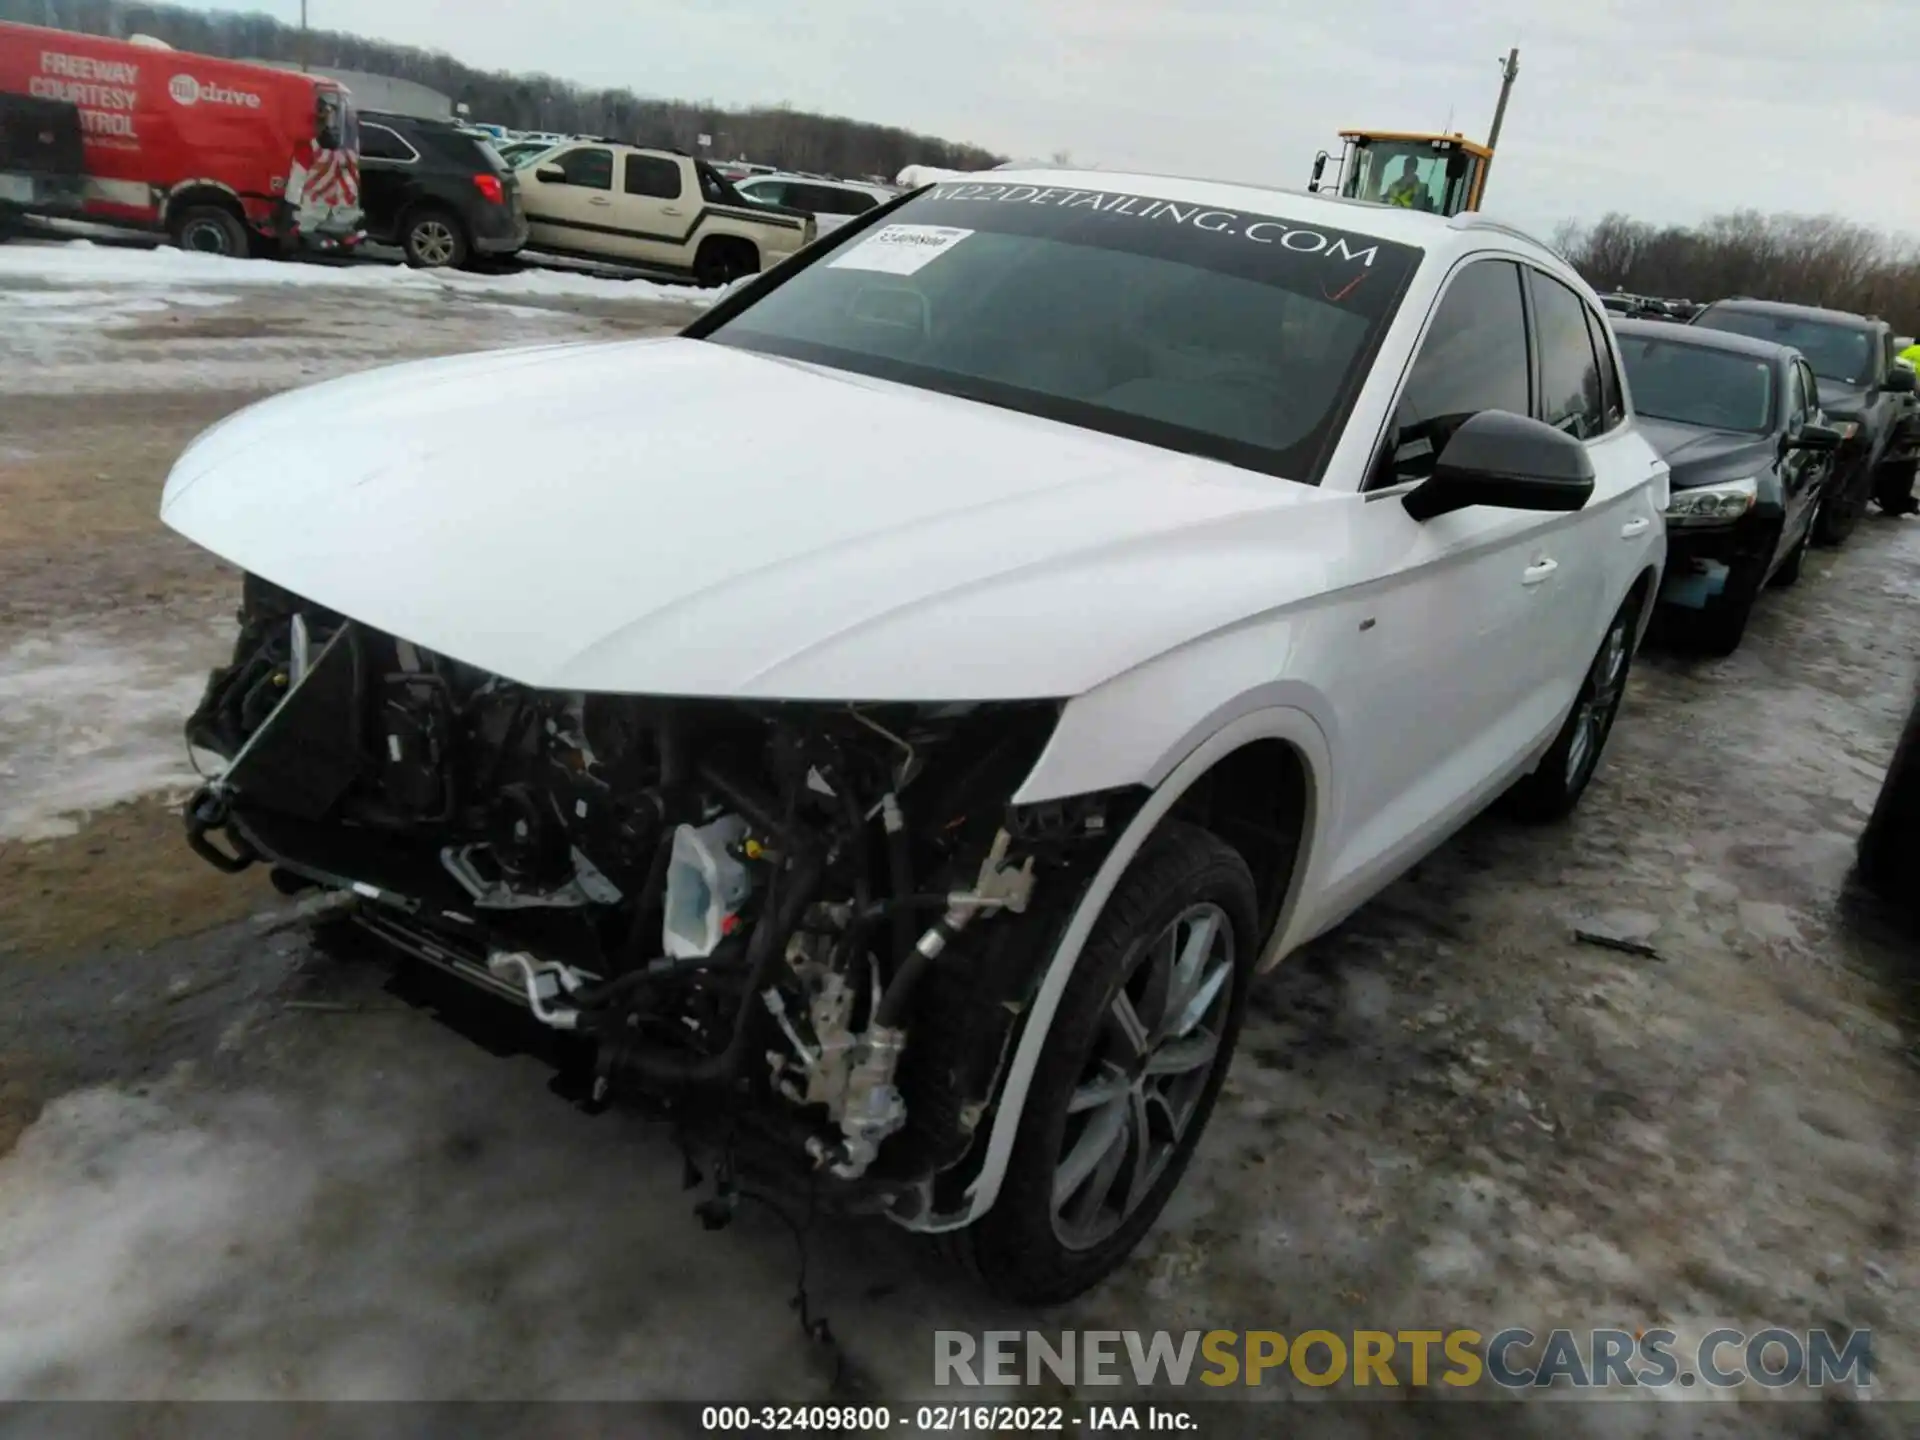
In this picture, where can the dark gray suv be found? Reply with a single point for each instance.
(1864, 394)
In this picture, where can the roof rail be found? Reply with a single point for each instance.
(1474, 220)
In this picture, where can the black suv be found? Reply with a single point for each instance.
(1864, 394)
(439, 193)
(1738, 422)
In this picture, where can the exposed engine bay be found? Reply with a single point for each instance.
(820, 920)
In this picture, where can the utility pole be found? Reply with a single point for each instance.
(1509, 68)
(303, 49)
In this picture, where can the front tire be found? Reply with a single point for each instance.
(1132, 1067)
(1789, 571)
(1839, 513)
(1715, 630)
(1553, 789)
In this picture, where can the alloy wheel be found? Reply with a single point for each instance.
(1599, 698)
(433, 243)
(1143, 1081)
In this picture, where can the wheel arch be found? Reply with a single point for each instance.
(203, 192)
(1279, 743)
(719, 235)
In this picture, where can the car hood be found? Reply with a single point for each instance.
(617, 527)
(1700, 456)
(1844, 402)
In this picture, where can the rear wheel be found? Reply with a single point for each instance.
(209, 230)
(1134, 1061)
(434, 240)
(1553, 789)
(723, 260)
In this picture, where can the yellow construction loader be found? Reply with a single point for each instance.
(1441, 173)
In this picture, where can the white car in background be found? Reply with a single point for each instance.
(924, 808)
(832, 203)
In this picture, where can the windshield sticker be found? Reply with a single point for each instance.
(900, 249)
(1257, 229)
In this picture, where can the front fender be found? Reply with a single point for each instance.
(1291, 725)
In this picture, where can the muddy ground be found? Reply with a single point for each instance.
(240, 1164)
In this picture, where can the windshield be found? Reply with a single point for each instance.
(1236, 336)
(1836, 352)
(1696, 385)
(1409, 173)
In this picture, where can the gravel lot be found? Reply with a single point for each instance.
(234, 1164)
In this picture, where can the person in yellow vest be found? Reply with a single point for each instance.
(1407, 191)
(1911, 355)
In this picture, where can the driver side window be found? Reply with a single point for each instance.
(589, 169)
(1473, 358)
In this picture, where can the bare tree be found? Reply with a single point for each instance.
(1803, 259)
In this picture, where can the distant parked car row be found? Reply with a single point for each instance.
(1648, 307)
(1779, 423)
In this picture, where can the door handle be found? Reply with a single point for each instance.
(599, 200)
(670, 210)
(1635, 527)
(1538, 571)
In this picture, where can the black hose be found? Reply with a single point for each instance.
(744, 799)
(898, 999)
(900, 880)
(647, 905)
(670, 743)
(786, 903)
(858, 960)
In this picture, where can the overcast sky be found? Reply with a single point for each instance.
(1669, 109)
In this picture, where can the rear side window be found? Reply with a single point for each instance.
(467, 152)
(377, 142)
(1613, 406)
(831, 200)
(1474, 358)
(589, 169)
(1570, 390)
(767, 192)
(653, 176)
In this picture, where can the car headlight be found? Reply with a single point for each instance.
(1720, 504)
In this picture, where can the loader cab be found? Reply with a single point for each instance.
(1441, 174)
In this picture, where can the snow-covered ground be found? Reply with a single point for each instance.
(83, 263)
(85, 318)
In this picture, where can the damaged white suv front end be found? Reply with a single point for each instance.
(919, 795)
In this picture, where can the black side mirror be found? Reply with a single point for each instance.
(1508, 462)
(1901, 381)
(1821, 439)
(551, 175)
(1319, 169)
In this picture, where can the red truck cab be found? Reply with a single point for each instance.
(220, 155)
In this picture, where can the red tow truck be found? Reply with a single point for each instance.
(221, 156)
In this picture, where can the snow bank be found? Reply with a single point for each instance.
(81, 262)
